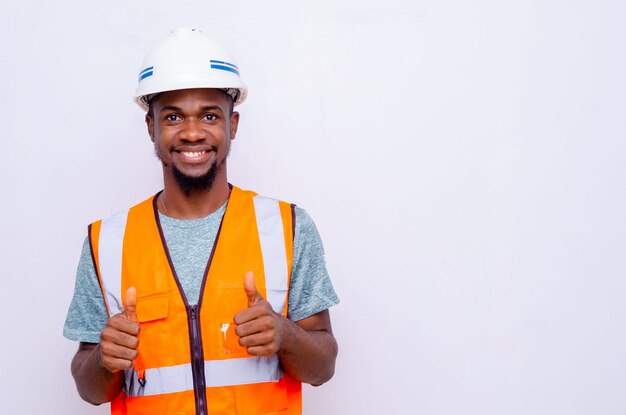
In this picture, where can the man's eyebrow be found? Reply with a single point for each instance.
(204, 108)
(212, 108)
(170, 108)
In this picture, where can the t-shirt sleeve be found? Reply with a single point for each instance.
(87, 314)
(311, 290)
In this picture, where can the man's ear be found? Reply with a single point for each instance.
(150, 125)
(234, 122)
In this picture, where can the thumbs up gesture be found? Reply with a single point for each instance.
(249, 286)
(260, 329)
(130, 302)
(119, 338)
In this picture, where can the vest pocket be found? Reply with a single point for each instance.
(154, 308)
(228, 342)
(230, 302)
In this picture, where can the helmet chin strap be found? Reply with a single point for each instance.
(232, 92)
(147, 98)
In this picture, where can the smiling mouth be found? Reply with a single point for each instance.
(193, 153)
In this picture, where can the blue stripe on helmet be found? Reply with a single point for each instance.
(147, 69)
(145, 75)
(224, 63)
(223, 68)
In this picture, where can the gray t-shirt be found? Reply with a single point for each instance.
(190, 243)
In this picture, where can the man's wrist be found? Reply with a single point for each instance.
(289, 333)
(98, 351)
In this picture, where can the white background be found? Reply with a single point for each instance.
(464, 162)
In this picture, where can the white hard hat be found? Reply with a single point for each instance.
(188, 59)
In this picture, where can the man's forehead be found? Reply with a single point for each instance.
(197, 96)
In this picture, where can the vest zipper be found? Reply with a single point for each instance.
(197, 359)
(193, 316)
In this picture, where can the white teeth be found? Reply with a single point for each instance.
(192, 153)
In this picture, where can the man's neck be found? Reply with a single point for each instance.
(200, 203)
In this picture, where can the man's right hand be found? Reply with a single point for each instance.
(118, 340)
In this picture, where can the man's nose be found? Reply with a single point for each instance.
(192, 130)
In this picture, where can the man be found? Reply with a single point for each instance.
(205, 298)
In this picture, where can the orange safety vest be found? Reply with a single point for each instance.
(189, 358)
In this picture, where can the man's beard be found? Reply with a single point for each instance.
(190, 184)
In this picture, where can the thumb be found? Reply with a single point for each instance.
(250, 288)
(130, 304)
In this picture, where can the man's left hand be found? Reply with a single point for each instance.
(261, 330)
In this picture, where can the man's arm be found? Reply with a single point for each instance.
(98, 368)
(307, 348)
(308, 354)
(95, 384)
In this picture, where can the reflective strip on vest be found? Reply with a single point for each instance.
(229, 372)
(270, 227)
(110, 247)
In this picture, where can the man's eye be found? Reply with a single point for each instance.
(172, 117)
(210, 117)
